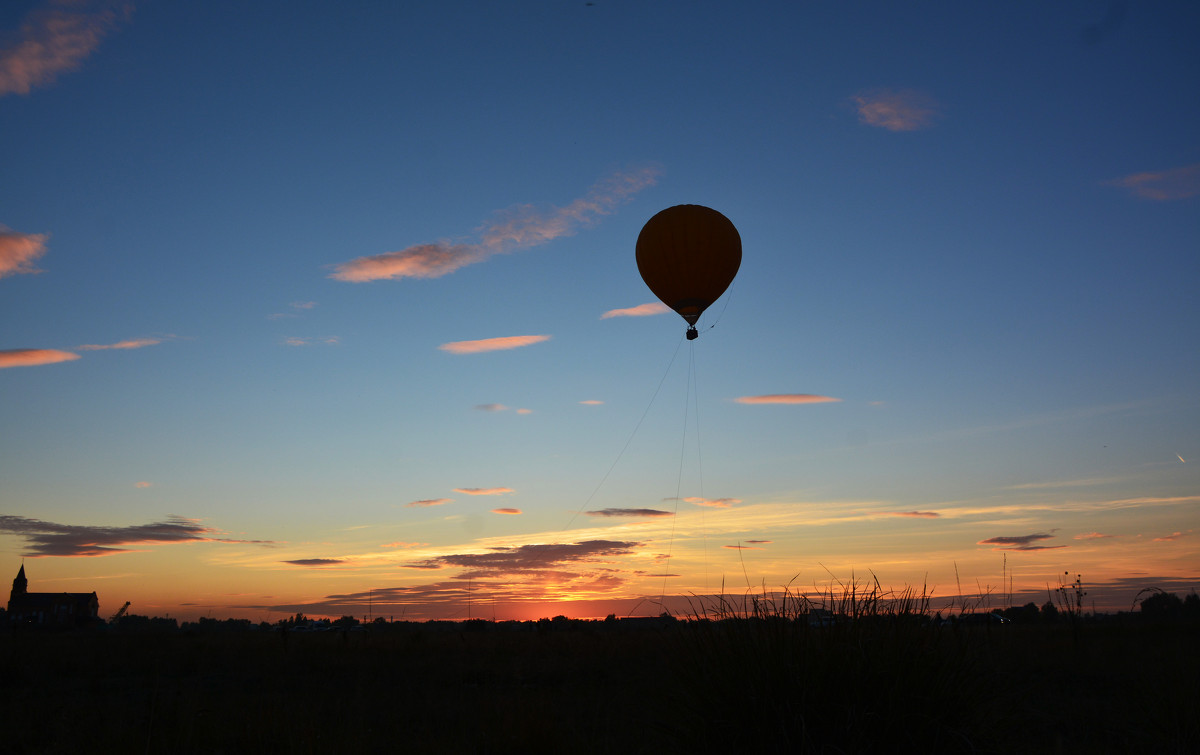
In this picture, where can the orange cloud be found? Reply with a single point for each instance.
(786, 398)
(402, 544)
(896, 110)
(919, 514)
(506, 511)
(142, 484)
(1163, 185)
(1091, 536)
(18, 251)
(491, 344)
(431, 502)
(483, 491)
(33, 357)
(592, 402)
(641, 310)
(519, 227)
(740, 547)
(51, 41)
(716, 503)
(133, 343)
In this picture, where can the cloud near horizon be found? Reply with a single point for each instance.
(786, 398)
(510, 512)
(628, 512)
(51, 539)
(18, 252)
(916, 514)
(33, 357)
(315, 561)
(1162, 185)
(518, 227)
(55, 38)
(528, 559)
(1020, 542)
(641, 310)
(484, 491)
(896, 110)
(491, 344)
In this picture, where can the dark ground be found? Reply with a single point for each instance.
(590, 687)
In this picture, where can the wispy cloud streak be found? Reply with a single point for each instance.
(1162, 185)
(33, 357)
(483, 491)
(786, 398)
(641, 310)
(641, 513)
(896, 110)
(491, 344)
(52, 539)
(54, 39)
(18, 252)
(430, 502)
(133, 343)
(519, 227)
(1020, 542)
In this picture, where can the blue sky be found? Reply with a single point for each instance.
(238, 239)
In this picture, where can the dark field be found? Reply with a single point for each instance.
(880, 685)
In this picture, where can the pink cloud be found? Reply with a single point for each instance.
(1091, 536)
(641, 310)
(1163, 185)
(143, 484)
(18, 251)
(592, 402)
(491, 344)
(506, 511)
(431, 502)
(518, 227)
(786, 398)
(1169, 538)
(33, 357)
(53, 40)
(917, 514)
(133, 343)
(483, 491)
(896, 110)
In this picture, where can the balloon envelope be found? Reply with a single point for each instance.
(688, 255)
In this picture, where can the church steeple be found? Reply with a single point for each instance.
(19, 584)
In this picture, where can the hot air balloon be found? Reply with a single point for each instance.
(688, 255)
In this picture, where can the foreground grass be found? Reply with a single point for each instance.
(885, 681)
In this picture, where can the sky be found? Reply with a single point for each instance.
(335, 310)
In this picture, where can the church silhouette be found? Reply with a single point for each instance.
(50, 609)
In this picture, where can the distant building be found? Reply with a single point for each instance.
(50, 609)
